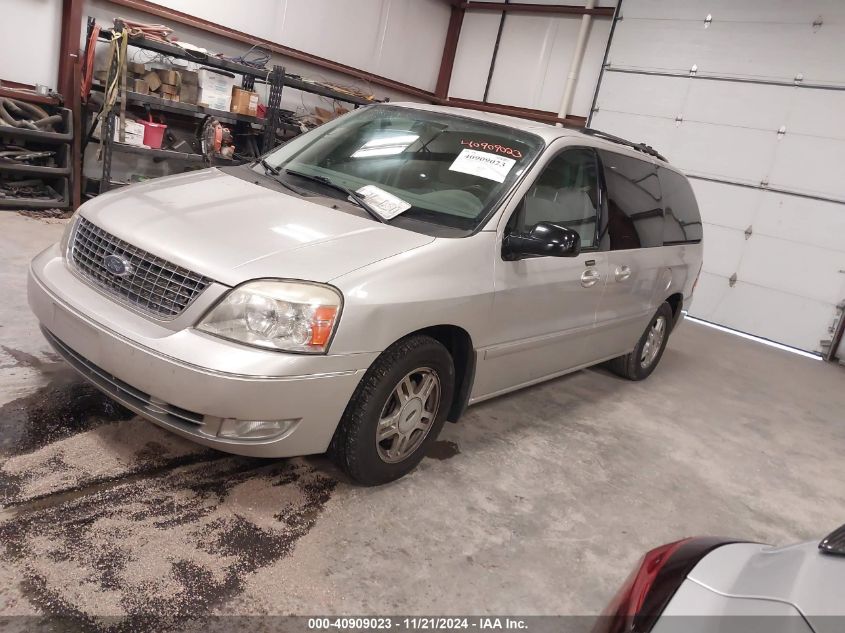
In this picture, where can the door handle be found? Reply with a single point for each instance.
(622, 273)
(590, 277)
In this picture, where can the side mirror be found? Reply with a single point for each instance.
(544, 240)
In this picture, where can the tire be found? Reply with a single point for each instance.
(384, 399)
(639, 364)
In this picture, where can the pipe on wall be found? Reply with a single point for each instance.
(577, 59)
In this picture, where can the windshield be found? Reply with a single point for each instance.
(411, 164)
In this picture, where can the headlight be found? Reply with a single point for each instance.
(282, 315)
(64, 243)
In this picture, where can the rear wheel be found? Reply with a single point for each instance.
(639, 364)
(396, 412)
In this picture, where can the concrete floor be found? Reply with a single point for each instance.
(554, 493)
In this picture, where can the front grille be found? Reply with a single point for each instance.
(152, 284)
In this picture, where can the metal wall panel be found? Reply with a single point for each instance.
(739, 49)
(797, 11)
(799, 269)
(29, 48)
(754, 106)
(414, 36)
(259, 20)
(324, 28)
(399, 39)
(778, 316)
(810, 164)
(811, 222)
(473, 55)
(744, 154)
(786, 248)
(730, 207)
(723, 249)
(793, 244)
(817, 116)
(631, 93)
(533, 59)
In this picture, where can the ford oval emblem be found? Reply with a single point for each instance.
(116, 265)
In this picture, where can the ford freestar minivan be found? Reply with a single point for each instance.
(370, 279)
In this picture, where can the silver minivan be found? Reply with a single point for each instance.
(370, 279)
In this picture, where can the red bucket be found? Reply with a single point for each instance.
(153, 133)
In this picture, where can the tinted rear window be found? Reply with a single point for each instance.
(682, 220)
(634, 207)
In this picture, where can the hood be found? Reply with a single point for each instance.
(233, 230)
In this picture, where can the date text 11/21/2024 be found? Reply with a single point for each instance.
(417, 623)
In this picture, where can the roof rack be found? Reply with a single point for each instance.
(640, 147)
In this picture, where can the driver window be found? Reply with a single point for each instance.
(566, 194)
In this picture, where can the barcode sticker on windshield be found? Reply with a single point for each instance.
(483, 165)
(386, 204)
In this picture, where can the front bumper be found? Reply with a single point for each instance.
(187, 381)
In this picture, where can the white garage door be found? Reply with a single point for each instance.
(748, 98)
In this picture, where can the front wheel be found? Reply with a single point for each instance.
(639, 364)
(396, 412)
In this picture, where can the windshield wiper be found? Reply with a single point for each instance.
(352, 195)
(268, 167)
(270, 170)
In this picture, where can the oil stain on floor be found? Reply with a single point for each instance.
(154, 553)
(112, 524)
(443, 449)
(63, 407)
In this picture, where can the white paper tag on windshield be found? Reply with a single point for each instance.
(386, 204)
(483, 165)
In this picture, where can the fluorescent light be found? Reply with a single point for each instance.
(392, 139)
(387, 145)
(758, 339)
(379, 151)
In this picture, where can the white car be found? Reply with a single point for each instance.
(718, 585)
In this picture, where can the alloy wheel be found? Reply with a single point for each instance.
(653, 342)
(408, 415)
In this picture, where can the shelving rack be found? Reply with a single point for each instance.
(275, 78)
(60, 175)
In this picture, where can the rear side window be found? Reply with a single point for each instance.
(634, 205)
(683, 222)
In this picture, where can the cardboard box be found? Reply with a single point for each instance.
(189, 93)
(168, 76)
(215, 88)
(244, 102)
(134, 132)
